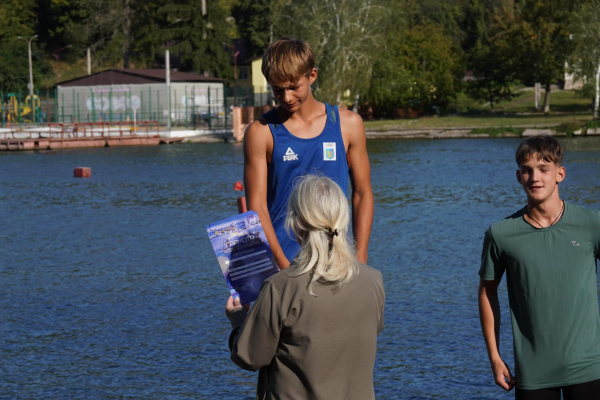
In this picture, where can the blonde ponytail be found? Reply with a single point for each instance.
(318, 216)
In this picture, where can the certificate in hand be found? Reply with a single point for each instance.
(243, 253)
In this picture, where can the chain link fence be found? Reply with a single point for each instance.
(189, 106)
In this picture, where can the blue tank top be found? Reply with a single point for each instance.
(293, 157)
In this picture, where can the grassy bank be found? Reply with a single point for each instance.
(567, 107)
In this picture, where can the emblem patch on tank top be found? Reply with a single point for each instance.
(329, 151)
(290, 155)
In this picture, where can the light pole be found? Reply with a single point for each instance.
(30, 67)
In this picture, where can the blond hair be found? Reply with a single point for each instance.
(287, 60)
(318, 216)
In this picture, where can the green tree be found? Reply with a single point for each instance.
(585, 61)
(199, 39)
(346, 37)
(18, 19)
(419, 69)
(256, 20)
(489, 55)
(107, 27)
(539, 40)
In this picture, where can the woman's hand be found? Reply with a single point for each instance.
(232, 303)
(235, 312)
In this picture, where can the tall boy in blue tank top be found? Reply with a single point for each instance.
(548, 250)
(299, 137)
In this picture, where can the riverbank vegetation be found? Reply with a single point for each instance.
(384, 58)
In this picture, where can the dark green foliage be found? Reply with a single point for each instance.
(539, 39)
(490, 56)
(255, 23)
(389, 53)
(420, 69)
(568, 128)
(593, 124)
(198, 39)
(18, 19)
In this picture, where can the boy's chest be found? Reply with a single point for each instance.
(557, 255)
(307, 129)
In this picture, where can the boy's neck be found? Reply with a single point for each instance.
(310, 107)
(545, 213)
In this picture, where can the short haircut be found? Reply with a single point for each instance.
(543, 147)
(287, 60)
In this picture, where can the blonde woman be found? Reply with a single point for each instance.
(313, 330)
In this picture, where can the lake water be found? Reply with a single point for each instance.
(109, 287)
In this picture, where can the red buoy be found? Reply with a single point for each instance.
(83, 172)
(238, 186)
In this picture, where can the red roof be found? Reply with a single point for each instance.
(118, 76)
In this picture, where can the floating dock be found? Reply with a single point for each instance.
(70, 136)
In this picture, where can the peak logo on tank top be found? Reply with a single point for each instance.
(290, 155)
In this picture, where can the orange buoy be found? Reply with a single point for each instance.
(238, 186)
(83, 172)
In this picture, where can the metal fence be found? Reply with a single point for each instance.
(192, 106)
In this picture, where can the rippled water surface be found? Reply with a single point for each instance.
(109, 288)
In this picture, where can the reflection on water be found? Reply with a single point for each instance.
(111, 289)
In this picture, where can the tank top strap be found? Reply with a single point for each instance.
(274, 123)
(272, 119)
(333, 114)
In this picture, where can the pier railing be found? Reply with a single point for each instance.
(86, 130)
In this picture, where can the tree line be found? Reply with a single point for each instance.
(388, 53)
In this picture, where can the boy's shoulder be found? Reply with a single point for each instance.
(583, 214)
(575, 208)
(352, 127)
(350, 118)
(515, 221)
(507, 224)
(258, 132)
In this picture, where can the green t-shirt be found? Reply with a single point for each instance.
(552, 293)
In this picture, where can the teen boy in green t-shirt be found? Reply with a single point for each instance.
(548, 250)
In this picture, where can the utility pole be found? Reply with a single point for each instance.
(168, 76)
(30, 67)
(89, 60)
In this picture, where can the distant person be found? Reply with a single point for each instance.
(313, 330)
(300, 136)
(548, 250)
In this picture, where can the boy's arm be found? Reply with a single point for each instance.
(360, 178)
(256, 144)
(489, 317)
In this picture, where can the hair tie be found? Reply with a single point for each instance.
(333, 233)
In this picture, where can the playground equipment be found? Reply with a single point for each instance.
(15, 111)
(32, 104)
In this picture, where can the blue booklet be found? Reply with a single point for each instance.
(243, 253)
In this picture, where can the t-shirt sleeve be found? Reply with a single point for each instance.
(254, 344)
(492, 264)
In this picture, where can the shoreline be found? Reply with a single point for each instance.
(226, 136)
(466, 133)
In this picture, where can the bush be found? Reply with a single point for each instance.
(495, 132)
(568, 128)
